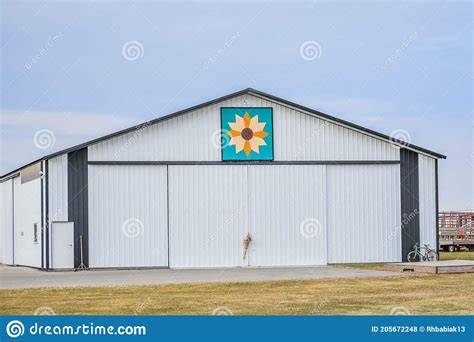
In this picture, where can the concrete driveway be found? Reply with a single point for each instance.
(23, 277)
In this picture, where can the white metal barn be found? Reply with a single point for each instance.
(191, 188)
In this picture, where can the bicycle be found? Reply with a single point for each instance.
(428, 255)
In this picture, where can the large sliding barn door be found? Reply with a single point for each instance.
(208, 212)
(364, 213)
(287, 215)
(213, 207)
(128, 216)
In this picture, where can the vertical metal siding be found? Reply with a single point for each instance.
(427, 181)
(27, 212)
(208, 219)
(6, 222)
(409, 186)
(297, 136)
(363, 204)
(57, 188)
(287, 215)
(197, 133)
(128, 216)
(300, 136)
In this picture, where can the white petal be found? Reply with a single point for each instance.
(238, 125)
(255, 125)
(255, 144)
(238, 142)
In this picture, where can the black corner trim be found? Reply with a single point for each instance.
(77, 179)
(410, 206)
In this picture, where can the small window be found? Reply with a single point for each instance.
(35, 232)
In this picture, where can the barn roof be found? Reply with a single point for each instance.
(223, 98)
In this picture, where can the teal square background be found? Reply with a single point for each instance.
(264, 114)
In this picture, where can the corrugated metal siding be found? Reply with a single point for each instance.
(208, 208)
(57, 188)
(427, 185)
(196, 137)
(287, 215)
(363, 213)
(303, 137)
(409, 186)
(128, 216)
(27, 212)
(188, 137)
(6, 222)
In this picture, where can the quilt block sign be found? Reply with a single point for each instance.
(247, 133)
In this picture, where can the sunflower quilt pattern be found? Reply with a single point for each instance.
(247, 133)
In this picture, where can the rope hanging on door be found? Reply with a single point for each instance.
(247, 241)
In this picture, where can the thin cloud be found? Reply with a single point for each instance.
(18, 131)
(364, 111)
(71, 123)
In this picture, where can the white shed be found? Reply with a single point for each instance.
(247, 179)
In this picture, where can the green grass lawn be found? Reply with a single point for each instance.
(415, 294)
(442, 255)
(456, 255)
(377, 266)
(446, 294)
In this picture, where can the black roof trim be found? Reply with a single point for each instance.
(223, 98)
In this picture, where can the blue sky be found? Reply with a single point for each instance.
(385, 65)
